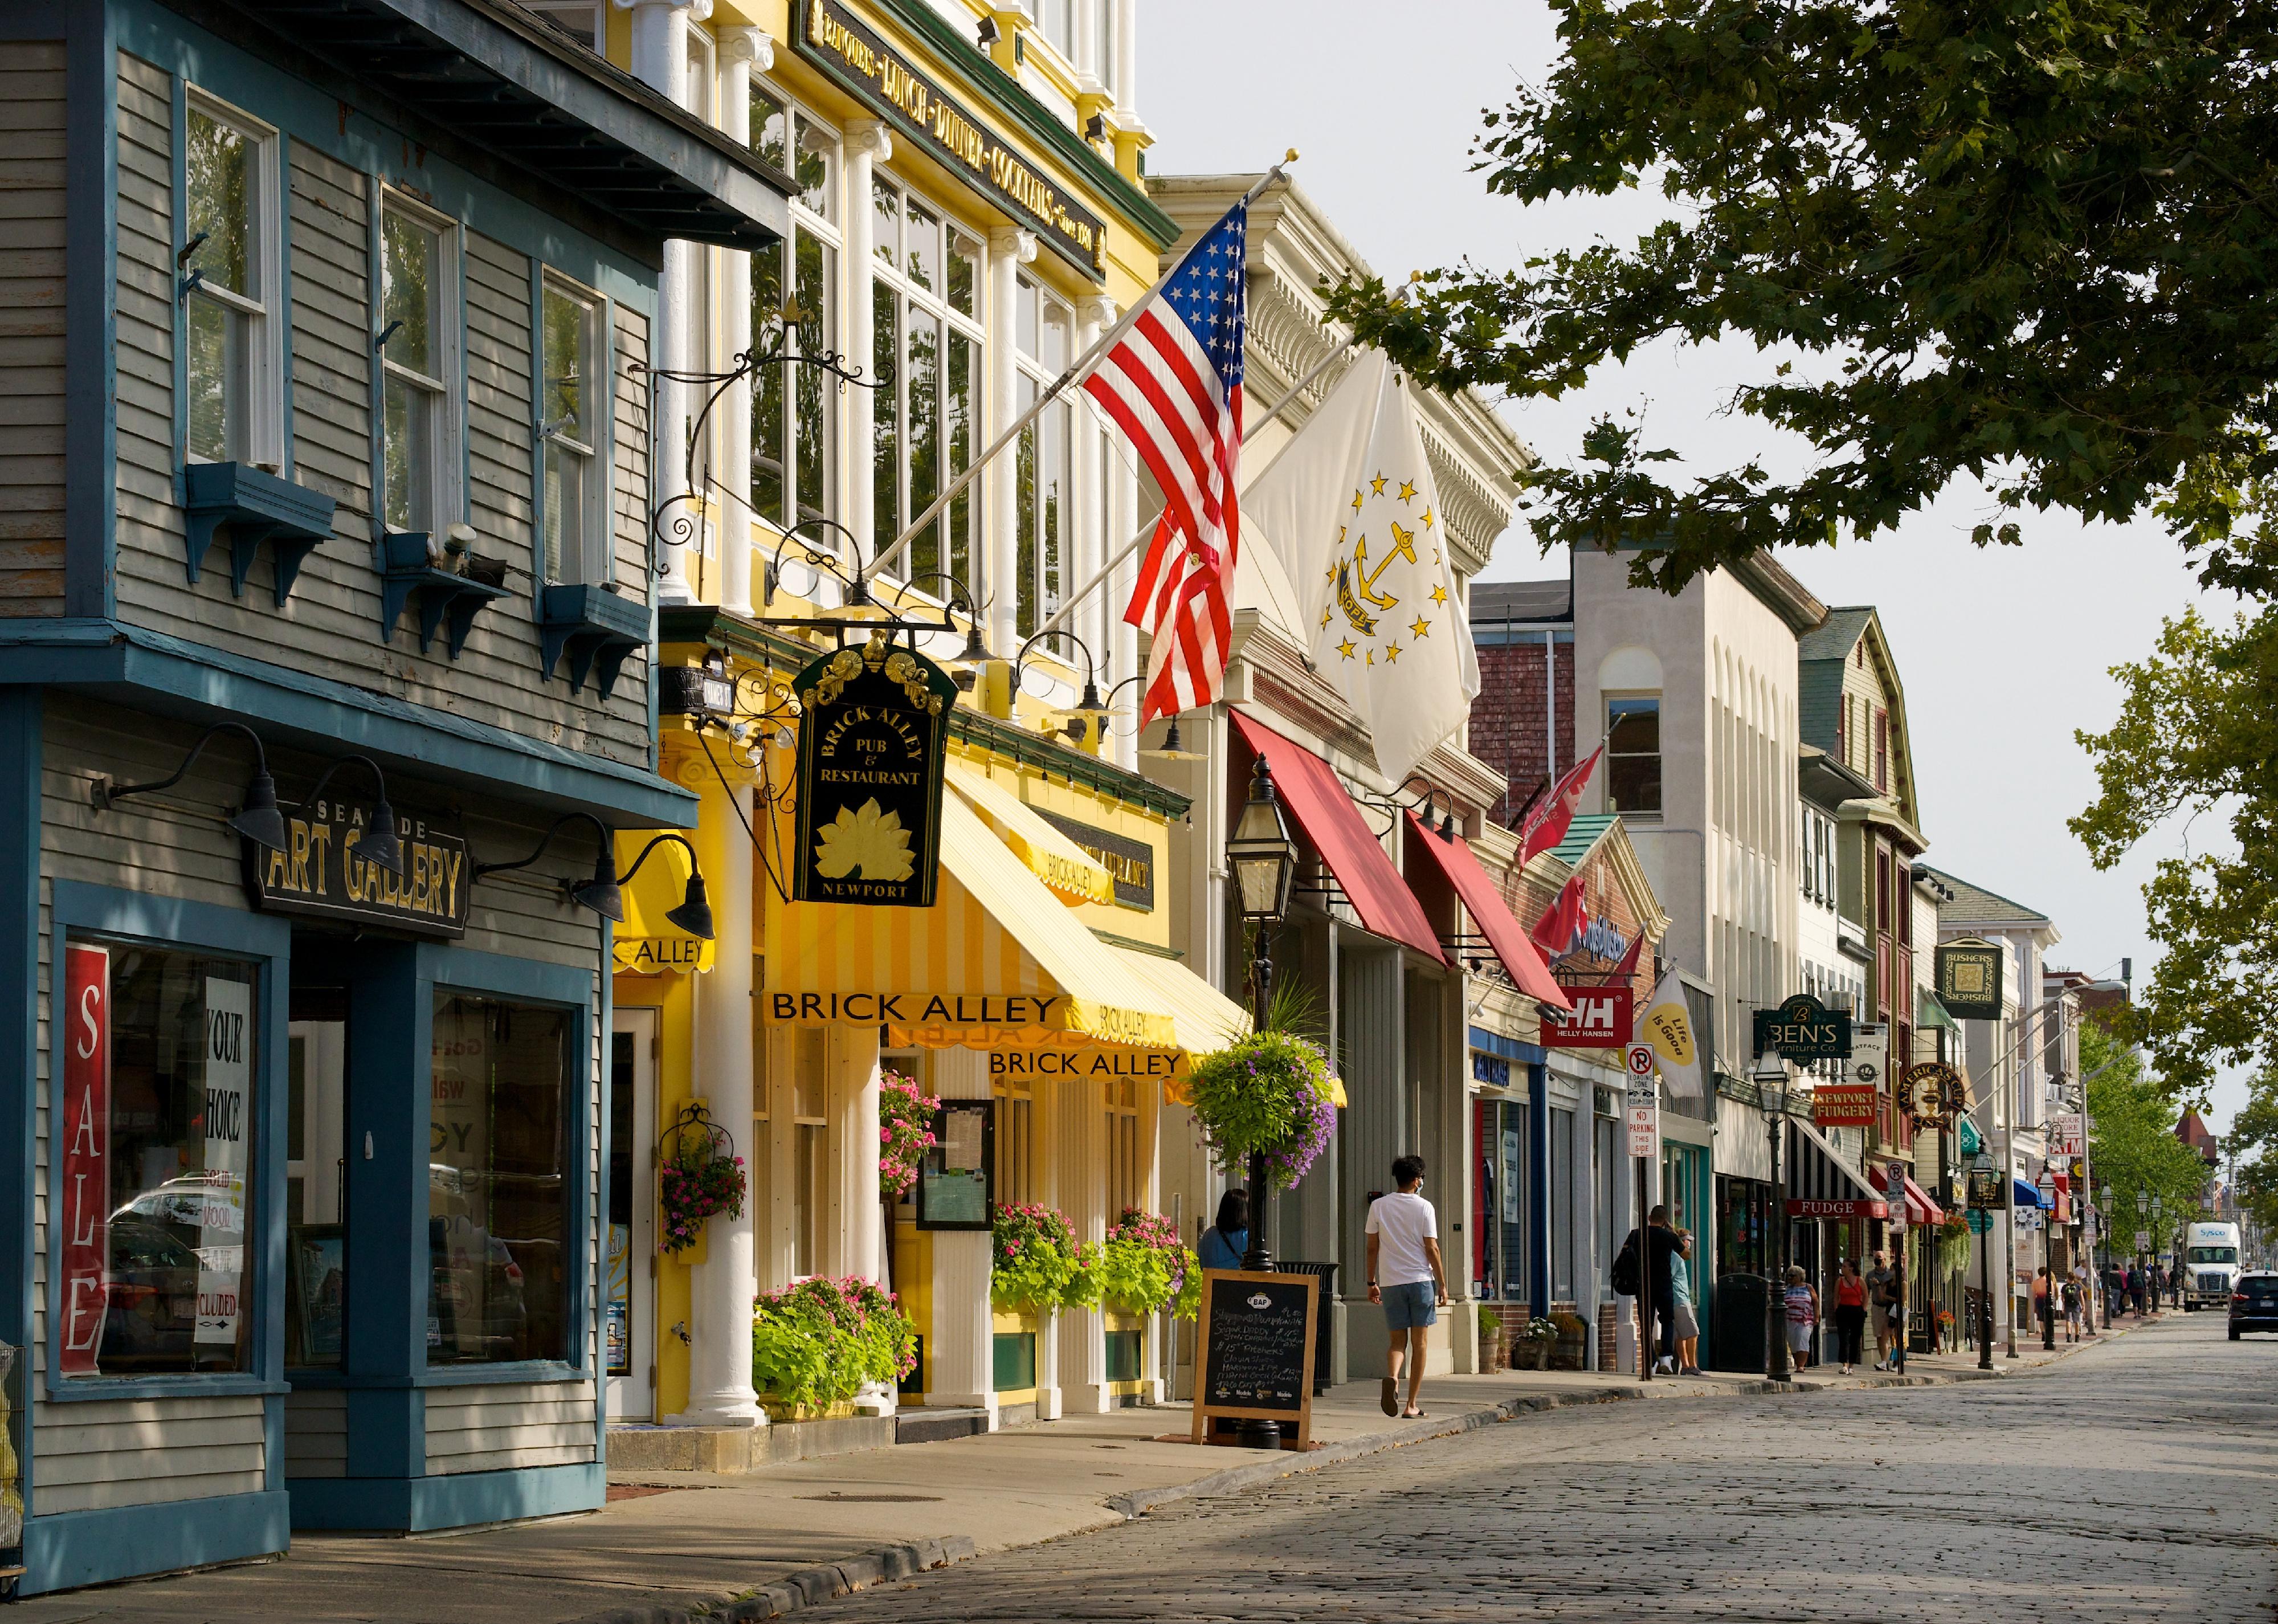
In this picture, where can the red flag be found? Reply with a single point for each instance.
(1546, 824)
(1557, 931)
(1627, 967)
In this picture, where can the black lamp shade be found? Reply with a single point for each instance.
(1171, 749)
(694, 914)
(602, 893)
(258, 820)
(380, 846)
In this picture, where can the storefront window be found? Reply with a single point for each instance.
(156, 1139)
(498, 1182)
(1743, 1226)
(810, 1149)
(792, 447)
(1502, 1198)
(927, 360)
(1125, 1179)
(1566, 1233)
(1044, 517)
(1016, 1132)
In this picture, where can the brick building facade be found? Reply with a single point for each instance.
(1525, 635)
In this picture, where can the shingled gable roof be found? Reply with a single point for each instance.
(1975, 905)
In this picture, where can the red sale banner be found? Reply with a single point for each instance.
(86, 1030)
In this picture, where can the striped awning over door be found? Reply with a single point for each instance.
(1822, 1185)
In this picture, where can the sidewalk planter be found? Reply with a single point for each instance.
(815, 1343)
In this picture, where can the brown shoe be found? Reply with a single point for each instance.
(1390, 1397)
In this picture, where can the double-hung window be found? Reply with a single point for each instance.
(573, 429)
(1633, 755)
(231, 263)
(926, 341)
(418, 344)
(793, 445)
(1044, 514)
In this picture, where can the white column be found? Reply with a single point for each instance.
(857, 1228)
(659, 60)
(1009, 249)
(867, 143)
(959, 1351)
(720, 1392)
(1126, 55)
(743, 52)
(1080, 1153)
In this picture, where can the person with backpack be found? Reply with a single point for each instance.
(1641, 1268)
(2072, 1309)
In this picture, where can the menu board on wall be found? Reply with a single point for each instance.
(957, 1180)
(1255, 1349)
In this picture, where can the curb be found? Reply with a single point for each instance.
(808, 1587)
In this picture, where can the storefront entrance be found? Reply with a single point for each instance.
(629, 1301)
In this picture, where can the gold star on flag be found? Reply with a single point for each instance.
(1377, 485)
(1356, 501)
(1406, 491)
(1346, 648)
(1422, 628)
(1427, 518)
(1371, 657)
(1392, 654)
(1324, 616)
(1438, 594)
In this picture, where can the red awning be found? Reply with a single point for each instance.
(1920, 1208)
(1309, 786)
(1456, 861)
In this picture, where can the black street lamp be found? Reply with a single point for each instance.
(1982, 1187)
(1771, 1088)
(258, 820)
(2045, 1186)
(604, 892)
(1263, 858)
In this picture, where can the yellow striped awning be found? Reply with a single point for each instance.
(996, 957)
(1071, 873)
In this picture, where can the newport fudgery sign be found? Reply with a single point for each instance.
(320, 875)
(1803, 1029)
(874, 724)
(847, 49)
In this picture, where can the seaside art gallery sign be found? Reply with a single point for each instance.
(874, 730)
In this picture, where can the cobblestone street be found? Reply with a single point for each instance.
(2137, 1480)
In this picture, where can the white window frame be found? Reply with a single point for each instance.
(262, 432)
(446, 478)
(1034, 371)
(595, 562)
(823, 228)
(888, 268)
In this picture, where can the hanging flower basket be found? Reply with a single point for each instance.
(1267, 1091)
(904, 1132)
(700, 1177)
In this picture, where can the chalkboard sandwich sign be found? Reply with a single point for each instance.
(1255, 1351)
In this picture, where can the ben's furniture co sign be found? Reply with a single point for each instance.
(846, 48)
(1803, 1029)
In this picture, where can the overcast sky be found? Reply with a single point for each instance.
(2003, 653)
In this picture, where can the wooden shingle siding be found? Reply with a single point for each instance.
(332, 339)
(495, 1429)
(32, 328)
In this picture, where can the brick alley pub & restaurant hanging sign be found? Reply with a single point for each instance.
(873, 732)
(1803, 1029)
(320, 875)
(845, 48)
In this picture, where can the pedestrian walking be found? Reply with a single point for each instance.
(2072, 1303)
(2045, 1306)
(2136, 1288)
(2115, 1292)
(1406, 1276)
(1687, 1324)
(1882, 1293)
(1648, 1253)
(1223, 1244)
(1850, 1314)
(1802, 1316)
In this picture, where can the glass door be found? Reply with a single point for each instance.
(628, 1298)
(316, 1179)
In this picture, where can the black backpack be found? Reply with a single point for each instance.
(1625, 1272)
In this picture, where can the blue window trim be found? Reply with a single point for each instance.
(21, 722)
(237, 933)
(466, 969)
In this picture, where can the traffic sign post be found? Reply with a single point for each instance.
(1642, 1112)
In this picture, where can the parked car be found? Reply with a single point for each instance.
(2254, 1302)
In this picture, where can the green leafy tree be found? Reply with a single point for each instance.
(2253, 1141)
(2197, 743)
(2132, 1145)
(2033, 245)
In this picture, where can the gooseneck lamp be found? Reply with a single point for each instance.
(604, 891)
(257, 819)
(379, 845)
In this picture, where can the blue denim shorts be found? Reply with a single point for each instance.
(1408, 1307)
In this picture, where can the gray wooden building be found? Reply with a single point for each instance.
(325, 579)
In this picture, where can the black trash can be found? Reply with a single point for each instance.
(1326, 1294)
(1737, 1325)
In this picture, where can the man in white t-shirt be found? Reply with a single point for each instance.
(1405, 1275)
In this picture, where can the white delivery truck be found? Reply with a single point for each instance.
(2209, 1264)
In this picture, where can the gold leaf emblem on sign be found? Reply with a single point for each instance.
(869, 839)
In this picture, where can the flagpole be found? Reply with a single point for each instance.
(1083, 368)
(1148, 529)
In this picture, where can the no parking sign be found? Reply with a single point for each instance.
(1641, 1106)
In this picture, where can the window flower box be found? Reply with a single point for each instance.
(252, 507)
(594, 628)
(449, 600)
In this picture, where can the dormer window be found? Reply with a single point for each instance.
(230, 280)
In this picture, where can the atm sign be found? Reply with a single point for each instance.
(1602, 1019)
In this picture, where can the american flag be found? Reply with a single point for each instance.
(1173, 385)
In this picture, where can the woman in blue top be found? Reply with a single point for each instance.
(1223, 1244)
(1688, 1323)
